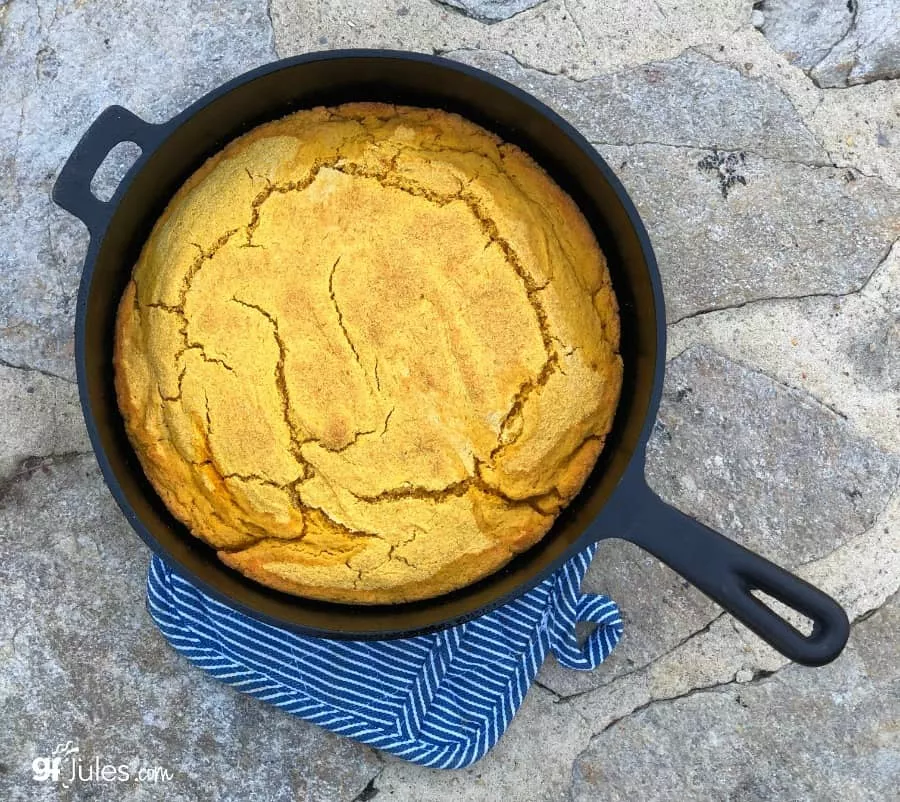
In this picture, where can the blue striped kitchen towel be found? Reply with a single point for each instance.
(440, 700)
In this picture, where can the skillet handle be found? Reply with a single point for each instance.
(72, 190)
(727, 572)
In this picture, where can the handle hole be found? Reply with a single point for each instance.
(796, 619)
(113, 169)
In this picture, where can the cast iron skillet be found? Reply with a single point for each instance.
(615, 502)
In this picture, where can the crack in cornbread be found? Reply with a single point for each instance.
(368, 353)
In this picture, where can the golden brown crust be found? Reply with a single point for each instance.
(368, 353)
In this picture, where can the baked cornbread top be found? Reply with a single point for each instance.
(368, 353)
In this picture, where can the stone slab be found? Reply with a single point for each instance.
(764, 464)
(575, 37)
(41, 416)
(757, 741)
(730, 227)
(689, 100)
(838, 42)
(81, 661)
(490, 10)
(844, 350)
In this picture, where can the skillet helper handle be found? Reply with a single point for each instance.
(727, 573)
(72, 190)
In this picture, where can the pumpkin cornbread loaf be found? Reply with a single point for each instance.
(368, 353)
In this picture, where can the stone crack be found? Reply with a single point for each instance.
(753, 301)
(853, 8)
(27, 467)
(31, 369)
(727, 149)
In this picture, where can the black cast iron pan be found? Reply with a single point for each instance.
(615, 502)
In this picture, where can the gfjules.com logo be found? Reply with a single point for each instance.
(68, 766)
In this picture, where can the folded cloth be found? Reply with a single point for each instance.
(440, 700)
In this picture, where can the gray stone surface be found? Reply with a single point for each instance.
(575, 37)
(81, 661)
(805, 30)
(761, 463)
(490, 10)
(689, 100)
(62, 64)
(860, 126)
(41, 416)
(803, 734)
(839, 43)
(728, 230)
(844, 350)
(672, 93)
(857, 126)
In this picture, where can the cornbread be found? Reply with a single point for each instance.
(368, 353)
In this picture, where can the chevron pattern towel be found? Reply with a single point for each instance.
(441, 700)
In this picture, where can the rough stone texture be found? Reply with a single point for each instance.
(750, 53)
(860, 126)
(490, 10)
(840, 43)
(729, 229)
(751, 742)
(41, 416)
(805, 30)
(575, 37)
(763, 464)
(62, 64)
(770, 468)
(844, 350)
(862, 574)
(689, 100)
(79, 658)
